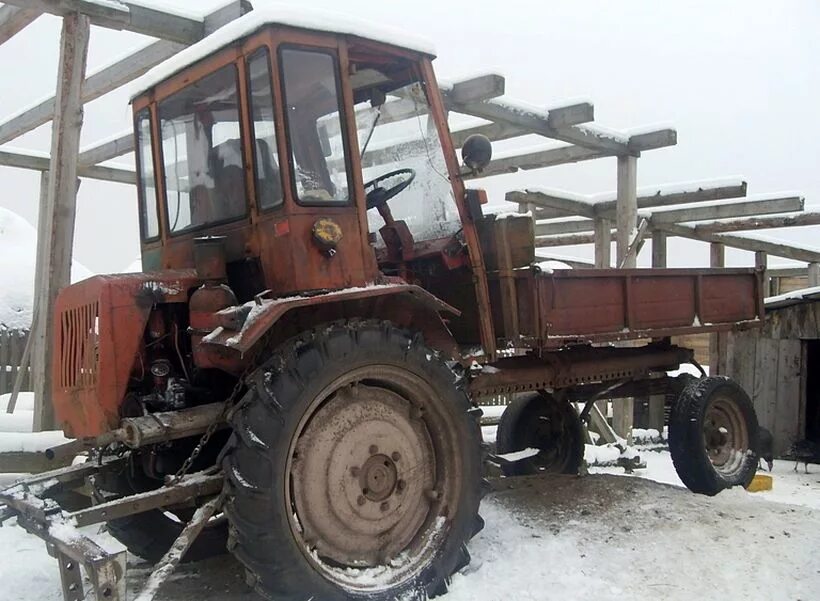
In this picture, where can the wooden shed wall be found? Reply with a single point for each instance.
(769, 364)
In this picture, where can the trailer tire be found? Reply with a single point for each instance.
(541, 421)
(329, 412)
(713, 436)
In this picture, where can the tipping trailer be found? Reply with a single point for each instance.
(294, 376)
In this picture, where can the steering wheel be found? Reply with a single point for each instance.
(379, 196)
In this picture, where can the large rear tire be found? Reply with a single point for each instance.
(355, 468)
(713, 436)
(542, 422)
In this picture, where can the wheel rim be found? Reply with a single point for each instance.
(371, 477)
(725, 436)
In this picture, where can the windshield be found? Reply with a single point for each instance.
(202, 152)
(395, 131)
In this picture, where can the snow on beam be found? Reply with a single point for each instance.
(40, 162)
(759, 223)
(113, 76)
(562, 116)
(553, 199)
(573, 262)
(124, 15)
(772, 247)
(107, 150)
(676, 194)
(13, 19)
(748, 208)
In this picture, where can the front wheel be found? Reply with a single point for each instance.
(355, 468)
(713, 436)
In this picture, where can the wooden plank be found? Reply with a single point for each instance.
(603, 243)
(661, 197)
(760, 223)
(627, 208)
(737, 209)
(5, 361)
(123, 15)
(105, 151)
(569, 226)
(117, 74)
(30, 463)
(474, 89)
(41, 163)
(717, 259)
(14, 19)
(789, 251)
(788, 398)
(764, 391)
(54, 251)
(550, 157)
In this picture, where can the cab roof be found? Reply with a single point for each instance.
(285, 15)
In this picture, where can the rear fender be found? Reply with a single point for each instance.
(405, 305)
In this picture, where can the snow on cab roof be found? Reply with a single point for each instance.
(303, 18)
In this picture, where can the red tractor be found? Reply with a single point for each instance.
(295, 376)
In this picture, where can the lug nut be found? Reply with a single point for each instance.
(401, 485)
(361, 500)
(354, 471)
(384, 506)
(373, 449)
(395, 456)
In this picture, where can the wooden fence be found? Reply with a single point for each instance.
(12, 344)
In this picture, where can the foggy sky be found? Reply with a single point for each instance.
(739, 79)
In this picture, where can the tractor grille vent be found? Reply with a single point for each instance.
(79, 346)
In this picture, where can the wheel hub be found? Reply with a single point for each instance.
(362, 476)
(725, 435)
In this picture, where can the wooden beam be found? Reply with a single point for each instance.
(627, 208)
(564, 240)
(105, 151)
(651, 140)
(717, 254)
(14, 19)
(54, 251)
(635, 245)
(540, 159)
(759, 223)
(717, 340)
(788, 272)
(552, 199)
(663, 197)
(603, 243)
(568, 226)
(573, 114)
(115, 75)
(124, 15)
(788, 251)
(735, 209)
(814, 274)
(38, 162)
(475, 89)
(659, 249)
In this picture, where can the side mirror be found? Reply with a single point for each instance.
(477, 152)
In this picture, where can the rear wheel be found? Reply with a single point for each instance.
(542, 422)
(355, 468)
(713, 436)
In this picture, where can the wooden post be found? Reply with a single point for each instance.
(761, 261)
(657, 402)
(627, 206)
(627, 219)
(717, 341)
(814, 274)
(603, 243)
(56, 223)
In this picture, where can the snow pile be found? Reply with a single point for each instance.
(18, 241)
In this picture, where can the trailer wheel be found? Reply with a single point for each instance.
(355, 468)
(542, 422)
(713, 436)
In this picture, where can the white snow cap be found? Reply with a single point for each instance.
(278, 14)
(18, 241)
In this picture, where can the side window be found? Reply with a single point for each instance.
(315, 130)
(268, 178)
(202, 152)
(149, 220)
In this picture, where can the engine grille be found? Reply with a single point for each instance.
(79, 346)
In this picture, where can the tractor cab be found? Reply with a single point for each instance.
(322, 158)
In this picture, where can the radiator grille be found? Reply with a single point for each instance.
(79, 346)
